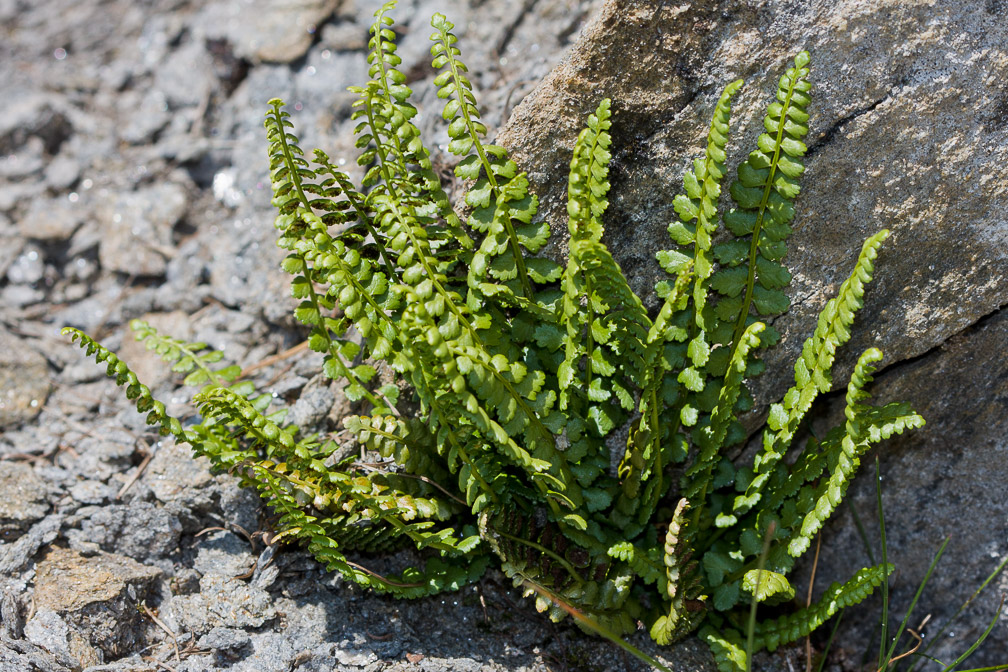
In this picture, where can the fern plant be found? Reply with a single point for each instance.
(521, 371)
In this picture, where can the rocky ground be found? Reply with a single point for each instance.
(134, 184)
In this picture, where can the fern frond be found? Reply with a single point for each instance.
(499, 197)
(682, 583)
(606, 326)
(136, 391)
(728, 648)
(291, 180)
(193, 359)
(391, 139)
(710, 438)
(812, 371)
(698, 219)
(764, 192)
(792, 627)
(865, 426)
(767, 586)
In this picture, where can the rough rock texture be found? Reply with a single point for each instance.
(908, 132)
(86, 608)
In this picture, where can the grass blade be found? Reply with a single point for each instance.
(883, 660)
(968, 652)
(906, 618)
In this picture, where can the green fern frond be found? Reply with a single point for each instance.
(767, 586)
(193, 359)
(792, 627)
(728, 648)
(500, 198)
(764, 193)
(812, 370)
(865, 426)
(136, 391)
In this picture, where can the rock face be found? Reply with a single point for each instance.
(909, 131)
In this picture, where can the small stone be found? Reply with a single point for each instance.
(24, 381)
(92, 492)
(223, 553)
(27, 161)
(175, 475)
(221, 602)
(96, 598)
(36, 116)
(14, 557)
(137, 229)
(150, 116)
(23, 501)
(28, 268)
(11, 244)
(223, 639)
(312, 407)
(51, 220)
(266, 31)
(62, 173)
(139, 530)
(49, 631)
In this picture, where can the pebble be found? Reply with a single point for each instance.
(24, 499)
(264, 31)
(53, 220)
(24, 380)
(137, 229)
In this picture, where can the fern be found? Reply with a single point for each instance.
(520, 372)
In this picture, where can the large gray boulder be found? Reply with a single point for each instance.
(908, 132)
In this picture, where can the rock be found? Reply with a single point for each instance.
(887, 148)
(62, 172)
(11, 243)
(139, 530)
(92, 492)
(312, 406)
(35, 115)
(946, 480)
(23, 501)
(264, 31)
(24, 381)
(223, 639)
(49, 631)
(223, 553)
(28, 268)
(150, 114)
(95, 600)
(137, 229)
(883, 113)
(52, 220)
(175, 475)
(222, 602)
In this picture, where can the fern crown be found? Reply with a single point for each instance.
(521, 371)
